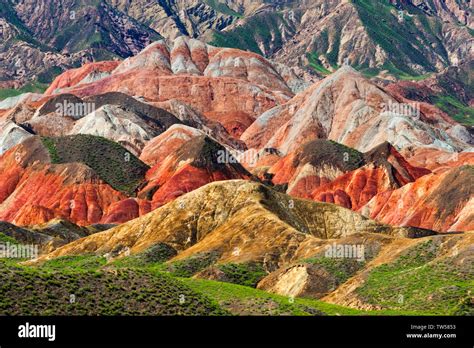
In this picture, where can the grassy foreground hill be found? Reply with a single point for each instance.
(145, 284)
(284, 271)
(84, 291)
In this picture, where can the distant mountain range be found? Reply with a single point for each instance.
(404, 38)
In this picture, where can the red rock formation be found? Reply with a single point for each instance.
(215, 96)
(196, 163)
(29, 215)
(125, 210)
(440, 201)
(196, 119)
(329, 172)
(386, 169)
(34, 191)
(166, 143)
(355, 188)
(229, 86)
(314, 164)
(350, 109)
(437, 160)
(84, 74)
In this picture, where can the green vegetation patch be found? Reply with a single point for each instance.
(243, 300)
(404, 41)
(412, 282)
(6, 239)
(47, 76)
(319, 152)
(152, 258)
(223, 8)
(316, 64)
(457, 110)
(342, 269)
(247, 274)
(261, 28)
(34, 87)
(46, 291)
(113, 163)
(75, 263)
(192, 265)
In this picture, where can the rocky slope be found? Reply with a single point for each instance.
(388, 263)
(330, 172)
(175, 18)
(384, 169)
(450, 90)
(11, 135)
(314, 164)
(437, 160)
(237, 220)
(45, 37)
(228, 86)
(238, 170)
(115, 116)
(195, 163)
(88, 72)
(402, 37)
(184, 144)
(34, 190)
(288, 255)
(441, 201)
(348, 108)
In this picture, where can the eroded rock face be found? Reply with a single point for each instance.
(188, 17)
(228, 62)
(33, 45)
(196, 119)
(442, 201)
(301, 280)
(314, 164)
(42, 195)
(11, 135)
(437, 160)
(322, 34)
(226, 85)
(160, 147)
(117, 124)
(450, 10)
(384, 169)
(49, 236)
(329, 172)
(12, 102)
(125, 210)
(86, 74)
(114, 116)
(223, 216)
(193, 164)
(347, 108)
(33, 191)
(188, 57)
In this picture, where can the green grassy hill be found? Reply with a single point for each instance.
(80, 290)
(113, 163)
(415, 282)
